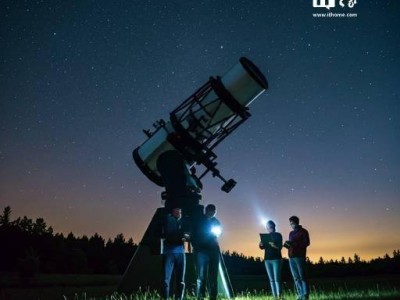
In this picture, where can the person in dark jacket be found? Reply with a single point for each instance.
(272, 244)
(297, 244)
(207, 252)
(174, 254)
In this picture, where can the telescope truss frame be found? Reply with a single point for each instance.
(197, 151)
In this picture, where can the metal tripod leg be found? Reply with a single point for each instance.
(224, 283)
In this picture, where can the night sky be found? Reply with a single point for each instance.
(79, 80)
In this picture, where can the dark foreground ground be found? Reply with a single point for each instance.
(54, 287)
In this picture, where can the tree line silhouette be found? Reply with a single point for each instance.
(28, 247)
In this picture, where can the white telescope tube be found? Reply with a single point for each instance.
(224, 99)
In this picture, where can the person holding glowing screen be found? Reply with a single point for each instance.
(271, 243)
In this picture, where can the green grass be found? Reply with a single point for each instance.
(102, 287)
(340, 294)
(315, 295)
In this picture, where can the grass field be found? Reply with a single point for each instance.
(102, 287)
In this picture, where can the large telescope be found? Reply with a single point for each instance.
(198, 125)
(194, 129)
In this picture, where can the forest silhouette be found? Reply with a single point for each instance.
(30, 246)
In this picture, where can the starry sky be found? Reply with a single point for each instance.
(79, 80)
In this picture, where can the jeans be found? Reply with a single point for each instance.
(298, 268)
(207, 261)
(174, 262)
(274, 271)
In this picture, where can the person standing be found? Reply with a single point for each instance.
(207, 252)
(174, 254)
(297, 244)
(273, 258)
